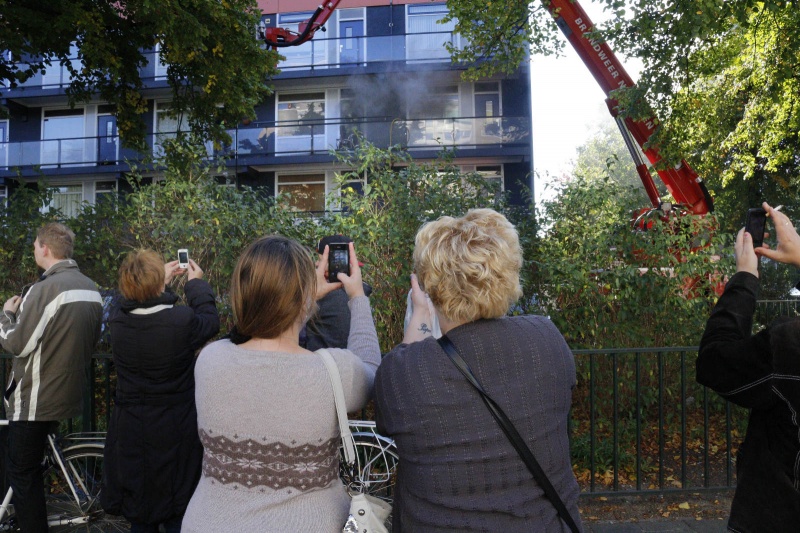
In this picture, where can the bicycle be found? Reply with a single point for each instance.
(72, 469)
(376, 460)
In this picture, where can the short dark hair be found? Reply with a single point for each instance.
(273, 284)
(331, 239)
(59, 238)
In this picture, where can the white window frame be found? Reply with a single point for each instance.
(287, 140)
(80, 145)
(3, 196)
(427, 47)
(162, 107)
(4, 145)
(160, 68)
(88, 193)
(310, 53)
(287, 175)
(434, 130)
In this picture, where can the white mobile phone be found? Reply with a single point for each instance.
(183, 258)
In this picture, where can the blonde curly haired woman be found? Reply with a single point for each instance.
(458, 471)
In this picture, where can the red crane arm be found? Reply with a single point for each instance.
(281, 37)
(686, 187)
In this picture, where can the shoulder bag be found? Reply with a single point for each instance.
(368, 514)
(511, 432)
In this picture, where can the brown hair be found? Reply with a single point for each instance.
(469, 266)
(58, 238)
(141, 276)
(273, 285)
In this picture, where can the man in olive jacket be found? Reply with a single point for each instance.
(52, 330)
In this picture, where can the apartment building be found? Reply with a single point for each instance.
(380, 72)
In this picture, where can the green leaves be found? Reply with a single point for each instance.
(217, 70)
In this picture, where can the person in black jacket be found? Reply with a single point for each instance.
(153, 453)
(760, 372)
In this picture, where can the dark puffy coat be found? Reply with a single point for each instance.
(153, 453)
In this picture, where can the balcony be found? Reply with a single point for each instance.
(318, 53)
(363, 50)
(269, 141)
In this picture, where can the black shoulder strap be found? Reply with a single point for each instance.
(511, 432)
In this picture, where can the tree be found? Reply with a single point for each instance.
(217, 70)
(721, 76)
(604, 154)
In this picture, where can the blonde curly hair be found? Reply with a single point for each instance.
(469, 266)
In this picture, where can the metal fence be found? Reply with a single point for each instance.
(639, 423)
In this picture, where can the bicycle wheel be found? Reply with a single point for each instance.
(376, 464)
(81, 511)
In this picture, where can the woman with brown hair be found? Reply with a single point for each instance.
(265, 405)
(152, 453)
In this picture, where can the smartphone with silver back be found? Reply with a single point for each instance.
(183, 258)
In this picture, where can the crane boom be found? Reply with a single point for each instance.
(281, 37)
(686, 187)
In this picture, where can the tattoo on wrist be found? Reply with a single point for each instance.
(424, 328)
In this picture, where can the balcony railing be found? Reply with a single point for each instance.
(286, 138)
(318, 53)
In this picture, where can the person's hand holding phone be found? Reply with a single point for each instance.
(746, 258)
(353, 285)
(323, 285)
(787, 249)
(171, 270)
(194, 270)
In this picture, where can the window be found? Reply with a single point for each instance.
(306, 55)
(427, 126)
(487, 112)
(67, 198)
(492, 173)
(167, 125)
(63, 140)
(307, 190)
(58, 74)
(3, 143)
(301, 123)
(160, 67)
(432, 35)
(3, 195)
(104, 191)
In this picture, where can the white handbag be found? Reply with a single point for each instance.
(368, 514)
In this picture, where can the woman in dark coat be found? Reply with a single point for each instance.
(457, 470)
(153, 454)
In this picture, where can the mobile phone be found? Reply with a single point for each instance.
(183, 258)
(755, 224)
(338, 260)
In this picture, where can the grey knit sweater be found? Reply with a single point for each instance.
(458, 471)
(268, 425)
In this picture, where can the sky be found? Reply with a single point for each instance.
(567, 106)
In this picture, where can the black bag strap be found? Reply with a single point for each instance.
(511, 432)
